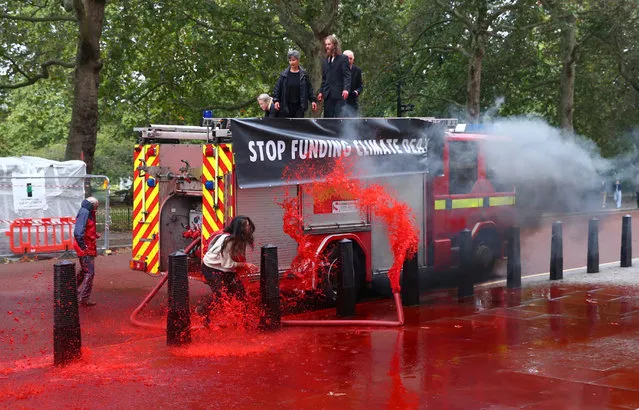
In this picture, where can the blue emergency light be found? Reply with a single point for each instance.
(209, 185)
(207, 118)
(150, 182)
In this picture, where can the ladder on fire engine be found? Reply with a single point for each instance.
(157, 132)
(450, 123)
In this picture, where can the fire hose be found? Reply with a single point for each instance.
(285, 322)
(156, 289)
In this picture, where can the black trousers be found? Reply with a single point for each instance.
(295, 111)
(220, 282)
(351, 109)
(333, 107)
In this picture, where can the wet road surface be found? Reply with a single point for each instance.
(549, 345)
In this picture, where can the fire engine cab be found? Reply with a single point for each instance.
(190, 181)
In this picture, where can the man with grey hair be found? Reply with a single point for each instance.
(336, 78)
(356, 85)
(293, 90)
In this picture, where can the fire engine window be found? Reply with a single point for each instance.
(462, 166)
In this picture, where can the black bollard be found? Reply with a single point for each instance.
(626, 241)
(270, 289)
(410, 282)
(67, 338)
(178, 321)
(465, 286)
(513, 267)
(593, 246)
(556, 252)
(346, 290)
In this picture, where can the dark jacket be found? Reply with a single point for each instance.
(336, 77)
(306, 91)
(616, 187)
(356, 85)
(85, 233)
(272, 112)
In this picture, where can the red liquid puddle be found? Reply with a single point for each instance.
(341, 180)
(234, 313)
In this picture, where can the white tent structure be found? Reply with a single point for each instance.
(32, 187)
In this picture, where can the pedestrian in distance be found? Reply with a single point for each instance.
(604, 192)
(352, 102)
(293, 89)
(85, 246)
(616, 193)
(268, 106)
(336, 79)
(225, 260)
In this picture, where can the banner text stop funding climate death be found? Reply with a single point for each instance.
(278, 150)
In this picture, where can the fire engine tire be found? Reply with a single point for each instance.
(486, 251)
(329, 273)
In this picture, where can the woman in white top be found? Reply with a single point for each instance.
(225, 257)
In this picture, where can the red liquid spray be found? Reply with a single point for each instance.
(341, 178)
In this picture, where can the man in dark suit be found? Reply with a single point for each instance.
(356, 85)
(336, 79)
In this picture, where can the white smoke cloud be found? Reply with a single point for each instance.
(551, 170)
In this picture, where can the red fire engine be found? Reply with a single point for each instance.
(468, 194)
(189, 182)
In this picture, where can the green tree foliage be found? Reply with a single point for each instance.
(169, 60)
(39, 117)
(165, 61)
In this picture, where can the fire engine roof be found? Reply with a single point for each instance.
(475, 137)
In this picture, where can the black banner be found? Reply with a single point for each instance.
(264, 147)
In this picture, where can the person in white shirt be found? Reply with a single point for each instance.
(225, 259)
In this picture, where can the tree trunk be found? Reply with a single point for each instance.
(315, 56)
(473, 88)
(567, 81)
(84, 117)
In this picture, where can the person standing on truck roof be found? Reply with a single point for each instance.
(85, 246)
(336, 78)
(225, 259)
(352, 102)
(293, 90)
(266, 104)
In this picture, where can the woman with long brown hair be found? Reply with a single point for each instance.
(225, 258)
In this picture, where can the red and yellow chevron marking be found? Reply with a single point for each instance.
(213, 216)
(146, 209)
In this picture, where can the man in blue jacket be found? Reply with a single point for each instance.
(85, 246)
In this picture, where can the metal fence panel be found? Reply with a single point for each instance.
(37, 210)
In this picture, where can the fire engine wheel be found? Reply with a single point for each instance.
(486, 251)
(330, 272)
